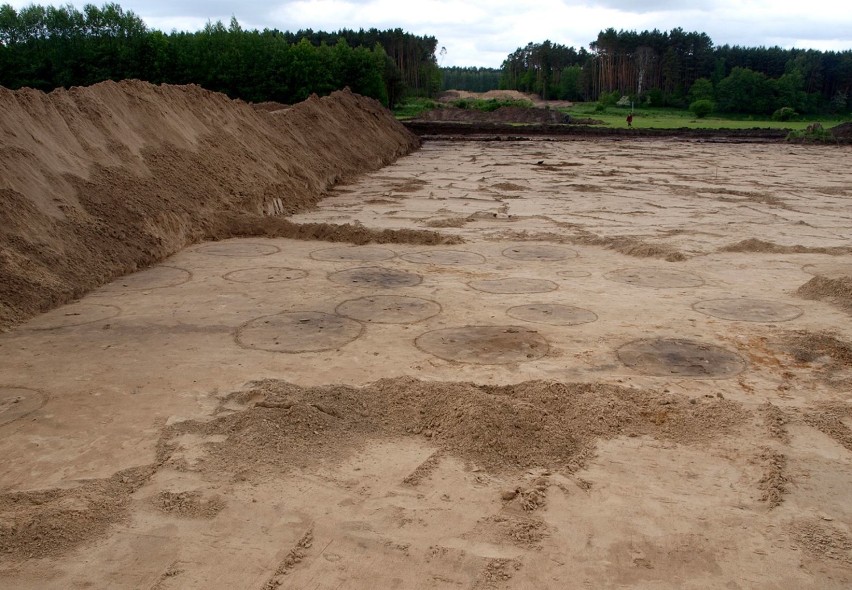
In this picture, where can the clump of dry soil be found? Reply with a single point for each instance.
(47, 522)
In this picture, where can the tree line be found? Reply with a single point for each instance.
(662, 69)
(47, 47)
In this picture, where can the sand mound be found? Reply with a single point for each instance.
(451, 95)
(630, 246)
(279, 227)
(842, 130)
(500, 115)
(100, 181)
(535, 423)
(837, 291)
(756, 245)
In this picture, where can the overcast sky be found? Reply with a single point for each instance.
(484, 32)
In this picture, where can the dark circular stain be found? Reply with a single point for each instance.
(657, 278)
(298, 331)
(515, 285)
(552, 313)
(485, 345)
(266, 274)
(748, 310)
(444, 257)
(389, 309)
(375, 276)
(674, 357)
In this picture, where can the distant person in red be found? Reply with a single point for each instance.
(630, 120)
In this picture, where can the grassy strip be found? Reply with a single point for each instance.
(669, 118)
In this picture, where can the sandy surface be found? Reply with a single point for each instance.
(611, 383)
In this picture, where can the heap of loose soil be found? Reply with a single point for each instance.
(500, 115)
(47, 522)
(842, 130)
(507, 428)
(100, 181)
(761, 246)
(837, 291)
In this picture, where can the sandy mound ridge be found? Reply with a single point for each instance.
(100, 181)
(500, 115)
(837, 291)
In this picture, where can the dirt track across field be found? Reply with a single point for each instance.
(618, 364)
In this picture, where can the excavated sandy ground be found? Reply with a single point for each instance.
(709, 447)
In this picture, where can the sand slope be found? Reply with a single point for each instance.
(99, 181)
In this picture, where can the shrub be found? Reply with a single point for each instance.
(784, 114)
(702, 108)
(656, 98)
(701, 89)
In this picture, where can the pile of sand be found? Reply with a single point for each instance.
(762, 246)
(451, 95)
(842, 130)
(500, 115)
(837, 291)
(513, 427)
(100, 181)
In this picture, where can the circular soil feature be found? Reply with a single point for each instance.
(484, 345)
(574, 274)
(748, 310)
(267, 274)
(238, 249)
(157, 277)
(354, 253)
(17, 402)
(674, 357)
(445, 257)
(375, 276)
(552, 313)
(298, 331)
(514, 285)
(829, 270)
(542, 252)
(74, 314)
(657, 278)
(389, 309)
